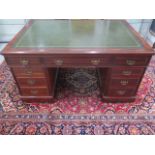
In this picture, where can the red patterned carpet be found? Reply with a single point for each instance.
(78, 108)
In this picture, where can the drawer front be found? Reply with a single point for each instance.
(127, 72)
(32, 82)
(28, 72)
(121, 92)
(34, 91)
(77, 61)
(124, 82)
(132, 61)
(23, 61)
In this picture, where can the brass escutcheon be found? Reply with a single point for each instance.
(121, 92)
(59, 62)
(24, 62)
(124, 82)
(29, 72)
(31, 82)
(34, 92)
(126, 73)
(130, 62)
(95, 61)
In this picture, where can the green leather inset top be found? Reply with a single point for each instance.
(77, 34)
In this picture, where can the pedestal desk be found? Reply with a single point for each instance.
(119, 54)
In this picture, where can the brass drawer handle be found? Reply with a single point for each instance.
(126, 73)
(124, 82)
(29, 72)
(59, 62)
(31, 82)
(34, 92)
(95, 61)
(121, 92)
(130, 62)
(24, 62)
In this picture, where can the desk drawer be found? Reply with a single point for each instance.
(121, 92)
(124, 82)
(32, 82)
(77, 61)
(23, 61)
(26, 91)
(132, 60)
(28, 72)
(127, 72)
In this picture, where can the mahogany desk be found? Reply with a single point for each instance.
(119, 54)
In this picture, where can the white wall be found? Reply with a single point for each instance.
(142, 26)
(8, 28)
(136, 23)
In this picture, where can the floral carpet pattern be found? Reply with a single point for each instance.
(82, 103)
(34, 123)
(48, 128)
